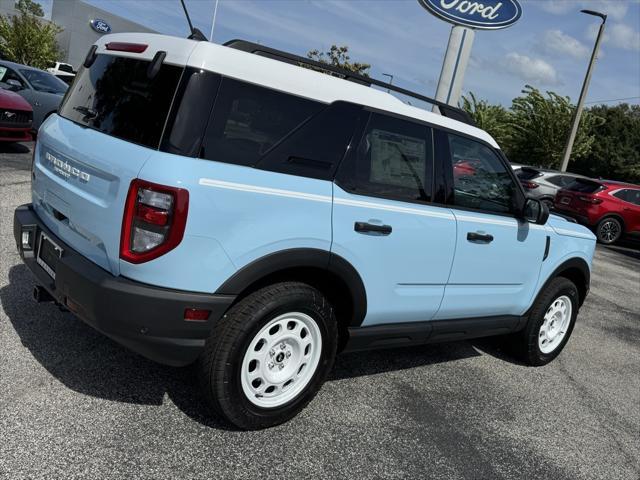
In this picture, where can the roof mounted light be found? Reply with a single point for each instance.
(126, 47)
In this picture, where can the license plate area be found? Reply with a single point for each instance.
(48, 254)
(565, 200)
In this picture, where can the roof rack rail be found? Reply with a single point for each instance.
(446, 110)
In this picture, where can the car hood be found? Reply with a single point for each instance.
(562, 226)
(12, 101)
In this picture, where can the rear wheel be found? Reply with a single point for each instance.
(550, 323)
(609, 230)
(268, 357)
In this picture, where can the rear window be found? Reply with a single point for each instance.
(527, 173)
(116, 97)
(585, 186)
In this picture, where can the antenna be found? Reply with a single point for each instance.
(195, 33)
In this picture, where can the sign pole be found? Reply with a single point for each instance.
(455, 65)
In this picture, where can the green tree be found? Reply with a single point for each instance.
(616, 152)
(30, 6)
(27, 39)
(339, 57)
(494, 119)
(539, 129)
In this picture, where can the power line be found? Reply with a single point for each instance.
(613, 100)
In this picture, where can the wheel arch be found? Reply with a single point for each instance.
(334, 276)
(575, 269)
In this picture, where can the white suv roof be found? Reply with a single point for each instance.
(278, 75)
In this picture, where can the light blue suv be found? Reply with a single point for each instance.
(221, 204)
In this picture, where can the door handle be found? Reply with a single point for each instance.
(364, 227)
(479, 237)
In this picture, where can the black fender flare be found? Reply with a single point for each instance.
(573, 263)
(301, 258)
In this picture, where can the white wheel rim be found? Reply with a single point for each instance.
(281, 360)
(555, 325)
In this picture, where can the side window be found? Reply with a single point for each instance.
(480, 179)
(247, 120)
(315, 148)
(394, 159)
(559, 180)
(629, 195)
(8, 74)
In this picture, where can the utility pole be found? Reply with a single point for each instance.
(583, 93)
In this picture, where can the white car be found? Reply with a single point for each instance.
(64, 71)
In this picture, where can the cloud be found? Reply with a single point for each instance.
(556, 42)
(616, 9)
(618, 35)
(530, 69)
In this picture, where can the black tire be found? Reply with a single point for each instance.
(609, 230)
(525, 343)
(548, 202)
(220, 364)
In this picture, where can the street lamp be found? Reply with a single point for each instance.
(583, 93)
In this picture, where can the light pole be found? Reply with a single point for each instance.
(390, 79)
(583, 93)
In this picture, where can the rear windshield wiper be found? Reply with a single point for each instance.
(86, 111)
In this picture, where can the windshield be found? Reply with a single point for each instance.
(44, 82)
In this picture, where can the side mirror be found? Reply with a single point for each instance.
(14, 85)
(535, 211)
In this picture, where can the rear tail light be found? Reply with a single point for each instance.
(154, 220)
(529, 185)
(126, 47)
(592, 200)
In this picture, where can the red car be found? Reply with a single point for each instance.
(16, 118)
(611, 208)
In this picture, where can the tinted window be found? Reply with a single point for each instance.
(560, 180)
(394, 159)
(481, 181)
(247, 120)
(629, 195)
(8, 74)
(584, 186)
(190, 114)
(528, 173)
(44, 81)
(316, 148)
(116, 97)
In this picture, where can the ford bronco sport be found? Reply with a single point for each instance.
(225, 206)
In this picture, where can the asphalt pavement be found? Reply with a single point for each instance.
(74, 404)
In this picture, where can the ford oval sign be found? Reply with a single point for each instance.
(100, 26)
(483, 14)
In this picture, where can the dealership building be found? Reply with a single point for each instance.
(83, 24)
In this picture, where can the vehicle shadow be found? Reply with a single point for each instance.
(15, 147)
(90, 363)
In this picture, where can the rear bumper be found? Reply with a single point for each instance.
(148, 320)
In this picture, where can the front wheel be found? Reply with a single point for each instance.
(550, 323)
(609, 230)
(268, 357)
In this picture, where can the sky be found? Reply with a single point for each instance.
(549, 47)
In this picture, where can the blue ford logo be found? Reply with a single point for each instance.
(100, 26)
(483, 14)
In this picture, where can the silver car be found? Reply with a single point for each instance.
(41, 89)
(544, 184)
